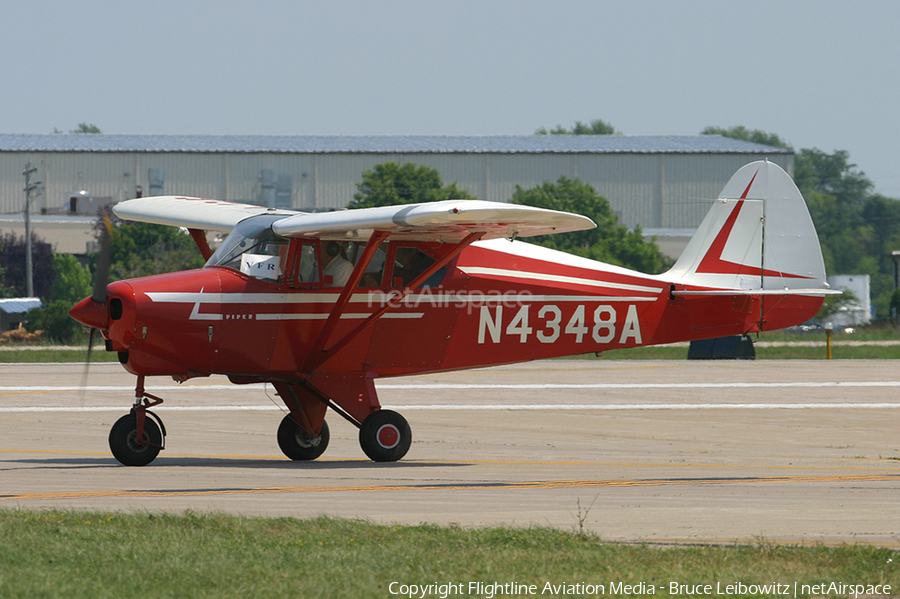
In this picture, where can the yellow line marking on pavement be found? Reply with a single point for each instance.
(676, 464)
(55, 451)
(527, 485)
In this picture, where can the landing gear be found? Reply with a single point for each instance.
(385, 436)
(137, 437)
(124, 443)
(297, 444)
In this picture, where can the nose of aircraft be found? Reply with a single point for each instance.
(91, 313)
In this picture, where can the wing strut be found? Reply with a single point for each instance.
(320, 357)
(199, 237)
(359, 270)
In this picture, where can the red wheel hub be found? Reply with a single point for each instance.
(388, 436)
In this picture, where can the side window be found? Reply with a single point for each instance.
(330, 264)
(374, 275)
(308, 264)
(340, 257)
(409, 263)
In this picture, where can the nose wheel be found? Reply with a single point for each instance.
(137, 437)
(125, 445)
(385, 436)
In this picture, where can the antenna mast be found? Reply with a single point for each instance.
(31, 190)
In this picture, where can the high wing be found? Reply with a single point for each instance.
(447, 221)
(191, 213)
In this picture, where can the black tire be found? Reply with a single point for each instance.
(297, 444)
(385, 436)
(123, 437)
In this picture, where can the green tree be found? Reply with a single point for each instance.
(595, 127)
(53, 319)
(142, 249)
(609, 242)
(72, 283)
(12, 262)
(82, 128)
(857, 229)
(89, 128)
(753, 135)
(4, 290)
(389, 183)
(831, 174)
(73, 280)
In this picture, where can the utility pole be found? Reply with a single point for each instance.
(31, 189)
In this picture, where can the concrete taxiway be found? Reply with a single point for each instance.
(798, 452)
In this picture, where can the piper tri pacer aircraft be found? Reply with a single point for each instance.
(322, 304)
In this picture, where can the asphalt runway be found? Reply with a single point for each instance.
(797, 452)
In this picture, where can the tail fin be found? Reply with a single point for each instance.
(758, 236)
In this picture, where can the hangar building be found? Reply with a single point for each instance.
(662, 183)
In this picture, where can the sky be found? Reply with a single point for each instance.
(821, 74)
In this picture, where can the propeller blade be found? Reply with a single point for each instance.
(101, 276)
(87, 364)
(90, 344)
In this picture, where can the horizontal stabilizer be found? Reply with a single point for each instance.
(757, 292)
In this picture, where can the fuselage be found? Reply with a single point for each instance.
(496, 302)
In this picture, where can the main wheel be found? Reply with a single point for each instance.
(297, 444)
(123, 441)
(385, 436)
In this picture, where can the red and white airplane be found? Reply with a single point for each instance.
(322, 304)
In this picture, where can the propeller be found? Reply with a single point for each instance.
(93, 310)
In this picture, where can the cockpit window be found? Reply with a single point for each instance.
(253, 249)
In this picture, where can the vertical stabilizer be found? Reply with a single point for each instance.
(757, 235)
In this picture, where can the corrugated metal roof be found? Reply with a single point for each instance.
(397, 144)
(19, 305)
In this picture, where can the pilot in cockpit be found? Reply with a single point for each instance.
(335, 267)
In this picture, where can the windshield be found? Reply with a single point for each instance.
(253, 248)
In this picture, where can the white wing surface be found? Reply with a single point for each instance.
(191, 213)
(448, 220)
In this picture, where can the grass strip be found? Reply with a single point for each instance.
(38, 354)
(96, 555)
(843, 352)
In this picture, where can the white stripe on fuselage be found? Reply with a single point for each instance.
(542, 277)
(439, 298)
